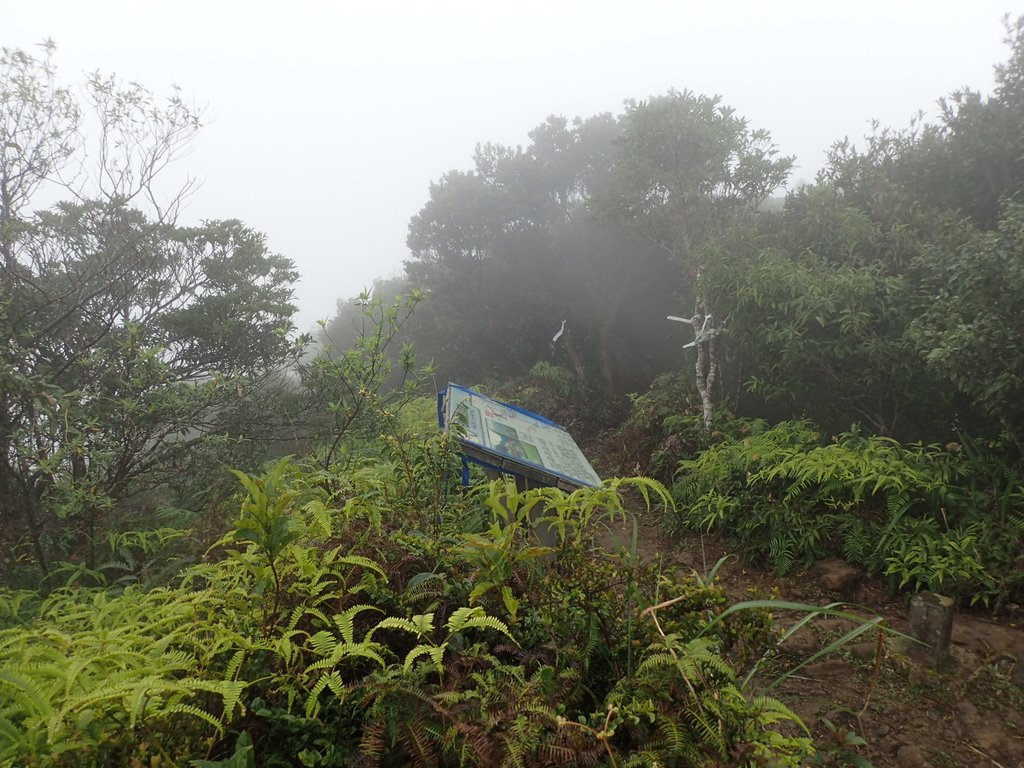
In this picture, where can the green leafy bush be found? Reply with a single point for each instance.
(339, 622)
(945, 518)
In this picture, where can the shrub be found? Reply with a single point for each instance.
(933, 517)
(328, 623)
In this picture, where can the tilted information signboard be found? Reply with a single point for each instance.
(509, 439)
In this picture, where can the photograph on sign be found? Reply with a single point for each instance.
(515, 433)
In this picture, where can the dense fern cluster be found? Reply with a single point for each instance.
(946, 518)
(373, 614)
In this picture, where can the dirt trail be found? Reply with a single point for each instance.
(971, 713)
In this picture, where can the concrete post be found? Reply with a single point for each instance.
(931, 622)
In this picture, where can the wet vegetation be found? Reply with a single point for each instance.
(226, 544)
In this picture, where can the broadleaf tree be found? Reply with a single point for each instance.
(128, 340)
(689, 168)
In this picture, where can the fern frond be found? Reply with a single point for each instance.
(26, 693)
(231, 692)
(234, 665)
(417, 628)
(320, 517)
(416, 738)
(706, 720)
(345, 621)
(349, 650)
(332, 681)
(364, 562)
(323, 643)
(770, 711)
(675, 738)
(302, 611)
(655, 662)
(436, 654)
(781, 551)
(196, 712)
(475, 618)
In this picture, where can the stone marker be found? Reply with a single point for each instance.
(931, 622)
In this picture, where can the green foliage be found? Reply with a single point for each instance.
(150, 557)
(887, 294)
(927, 557)
(362, 604)
(842, 749)
(553, 388)
(131, 344)
(355, 392)
(684, 704)
(970, 334)
(265, 521)
(970, 161)
(243, 756)
(333, 628)
(92, 671)
(581, 227)
(690, 166)
(821, 300)
(662, 425)
(500, 249)
(917, 514)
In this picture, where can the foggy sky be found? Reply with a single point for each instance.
(328, 120)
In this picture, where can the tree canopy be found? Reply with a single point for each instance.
(593, 223)
(861, 300)
(128, 339)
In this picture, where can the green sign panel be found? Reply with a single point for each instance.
(513, 440)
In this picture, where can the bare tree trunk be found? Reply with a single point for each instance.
(576, 361)
(31, 503)
(708, 362)
(707, 375)
(709, 398)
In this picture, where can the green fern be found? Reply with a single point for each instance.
(781, 551)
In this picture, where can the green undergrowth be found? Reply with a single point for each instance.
(945, 518)
(378, 615)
